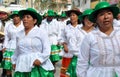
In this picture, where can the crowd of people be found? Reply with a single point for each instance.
(87, 42)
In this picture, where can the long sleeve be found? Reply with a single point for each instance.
(15, 55)
(83, 58)
(62, 37)
(6, 37)
(45, 48)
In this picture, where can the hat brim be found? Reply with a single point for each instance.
(38, 16)
(81, 17)
(92, 16)
(73, 11)
(51, 15)
(11, 16)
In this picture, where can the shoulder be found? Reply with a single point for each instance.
(8, 22)
(40, 32)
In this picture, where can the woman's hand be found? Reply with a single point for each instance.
(3, 50)
(36, 62)
(14, 66)
(65, 47)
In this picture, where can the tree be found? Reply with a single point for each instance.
(44, 5)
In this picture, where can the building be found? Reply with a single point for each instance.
(112, 2)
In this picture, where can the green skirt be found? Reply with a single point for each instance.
(36, 72)
(55, 49)
(71, 71)
(6, 62)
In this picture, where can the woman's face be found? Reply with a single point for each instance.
(87, 22)
(16, 19)
(105, 19)
(28, 21)
(73, 18)
(3, 16)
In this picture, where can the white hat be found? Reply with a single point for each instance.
(3, 9)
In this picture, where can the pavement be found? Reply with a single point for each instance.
(58, 65)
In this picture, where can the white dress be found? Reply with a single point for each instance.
(34, 45)
(99, 55)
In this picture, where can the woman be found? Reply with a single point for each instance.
(4, 21)
(63, 23)
(10, 41)
(51, 26)
(70, 40)
(87, 25)
(31, 58)
(100, 49)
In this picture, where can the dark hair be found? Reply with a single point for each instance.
(79, 22)
(95, 15)
(33, 16)
(82, 21)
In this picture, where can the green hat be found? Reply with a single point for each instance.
(33, 12)
(51, 13)
(100, 6)
(87, 12)
(14, 13)
(63, 15)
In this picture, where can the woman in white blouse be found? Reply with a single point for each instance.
(100, 50)
(31, 58)
(10, 41)
(71, 38)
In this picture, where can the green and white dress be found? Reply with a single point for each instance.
(10, 44)
(34, 45)
(53, 31)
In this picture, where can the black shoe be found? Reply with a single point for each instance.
(3, 73)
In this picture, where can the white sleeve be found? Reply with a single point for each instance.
(45, 47)
(15, 55)
(62, 37)
(7, 38)
(83, 58)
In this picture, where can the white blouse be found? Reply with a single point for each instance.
(34, 45)
(99, 55)
(73, 37)
(10, 35)
(62, 27)
(53, 30)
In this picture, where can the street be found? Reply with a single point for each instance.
(58, 65)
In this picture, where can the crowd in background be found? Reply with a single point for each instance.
(88, 42)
